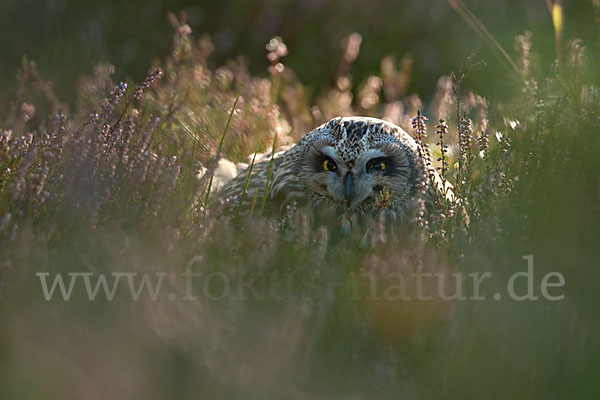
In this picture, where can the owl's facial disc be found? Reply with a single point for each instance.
(355, 184)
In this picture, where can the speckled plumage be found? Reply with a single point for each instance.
(351, 143)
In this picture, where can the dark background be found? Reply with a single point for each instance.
(66, 38)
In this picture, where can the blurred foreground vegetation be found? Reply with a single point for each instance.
(115, 181)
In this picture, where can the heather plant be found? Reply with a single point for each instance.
(123, 183)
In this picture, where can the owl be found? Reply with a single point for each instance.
(351, 167)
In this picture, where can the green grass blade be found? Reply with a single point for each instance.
(243, 195)
(253, 203)
(218, 155)
(264, 199)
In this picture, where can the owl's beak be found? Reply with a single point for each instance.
(348, 192)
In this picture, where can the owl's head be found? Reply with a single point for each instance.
(350, 161)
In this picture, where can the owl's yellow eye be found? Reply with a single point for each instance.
(329, 165)
(377, 166)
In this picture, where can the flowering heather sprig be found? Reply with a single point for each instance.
(465, 170)
(523, 47)
(290, 210)
(382, 202)
(18, 185)
(421, 185)
(418, 124)
(465, 131)
(483, 144)
(122, 144)
(148, 81)
(115, 95)
(465, 156)
(156, 74)
(37, 185)
(17, 147)
(108, 106)
(59, 122)
(225, 205)
(420, 127)
(442, 131)
(420, 206)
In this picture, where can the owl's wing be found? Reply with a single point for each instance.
(283, 186)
